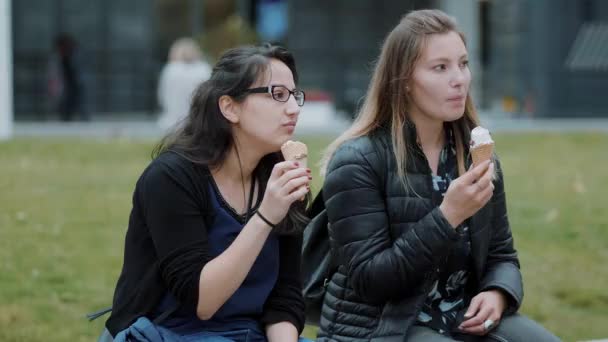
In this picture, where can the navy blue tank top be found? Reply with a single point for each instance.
(243, 308)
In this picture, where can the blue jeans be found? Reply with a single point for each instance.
(144, 330)
(243, 335)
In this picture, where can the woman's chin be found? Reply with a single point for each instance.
(454, 115)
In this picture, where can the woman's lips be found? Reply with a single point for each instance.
(291, 126)
(457, 98)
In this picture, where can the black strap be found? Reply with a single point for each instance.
(317, 205)
(162, 317)
(272, 225)
(95, 315)
(249, 205)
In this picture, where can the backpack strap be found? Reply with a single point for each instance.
(317, 206)
(95, 315)
(161, 318)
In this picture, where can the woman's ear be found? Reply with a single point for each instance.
(229, 108)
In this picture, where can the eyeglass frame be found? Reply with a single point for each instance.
(270, 90)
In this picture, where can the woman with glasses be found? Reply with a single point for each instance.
(212, 251)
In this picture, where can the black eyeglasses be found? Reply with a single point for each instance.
(279, 93)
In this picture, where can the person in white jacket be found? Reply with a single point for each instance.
(184, 71)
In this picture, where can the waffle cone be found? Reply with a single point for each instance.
(482, 153)
(296, 151)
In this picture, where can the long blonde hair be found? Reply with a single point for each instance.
(386, 101)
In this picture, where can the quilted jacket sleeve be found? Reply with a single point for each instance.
(380, 267)
(502, 265)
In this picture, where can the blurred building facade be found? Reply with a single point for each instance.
(547, 58)
(114, 51)
(531, 57)
(542, 58)
(336, 42)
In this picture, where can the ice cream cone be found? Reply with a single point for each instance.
(296, 151)
(482, 153)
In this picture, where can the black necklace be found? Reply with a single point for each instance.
(247, 203)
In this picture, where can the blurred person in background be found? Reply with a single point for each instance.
(65, 85)
(184, 71)
(212, 251)
(422, 238)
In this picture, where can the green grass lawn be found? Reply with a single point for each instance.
(64, 206)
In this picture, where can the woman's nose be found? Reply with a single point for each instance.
(292, 106)
(458, 78)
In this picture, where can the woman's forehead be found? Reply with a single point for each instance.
(443, 46)
(276, 73)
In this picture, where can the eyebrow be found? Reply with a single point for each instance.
(444, 59)
(283, 85)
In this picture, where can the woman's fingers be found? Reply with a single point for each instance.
(478, 319)
(478, 330)
(298, 194)
(487, 317)
(280, 168)
(486, 178)
(484, 188)
(295, 183)
(292, 174)
(487, 325)
(476, 179)
(475, 173)
(287, 183)
(473, 307)
(483, 196)
(292, 178)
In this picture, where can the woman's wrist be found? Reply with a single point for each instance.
(503, 299)
(267, 221)
(450, 215)
(268, 213)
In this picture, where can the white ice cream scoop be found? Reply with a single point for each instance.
(482, 145)
(480, 136)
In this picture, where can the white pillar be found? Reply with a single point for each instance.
(6, 68)
(466, 13)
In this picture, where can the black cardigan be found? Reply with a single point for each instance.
(389, 242)
(166, 248)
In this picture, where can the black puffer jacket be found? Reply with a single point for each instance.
(390, 242)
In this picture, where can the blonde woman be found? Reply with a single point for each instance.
(422, 239)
